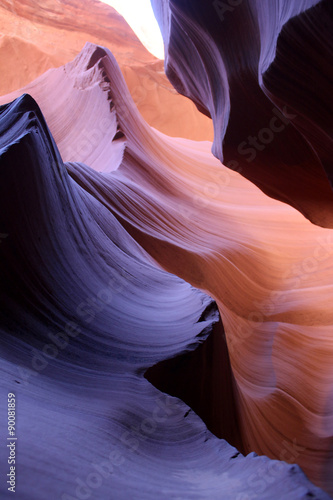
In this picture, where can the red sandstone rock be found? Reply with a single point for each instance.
(40, 35)
(267, 267)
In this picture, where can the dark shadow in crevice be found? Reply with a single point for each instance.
(98, 54)
(204, 381)
(119, 135)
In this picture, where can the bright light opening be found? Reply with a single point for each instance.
(139, 15)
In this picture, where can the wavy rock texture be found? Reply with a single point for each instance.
(37, 35)
(76, 261)
(263, 72)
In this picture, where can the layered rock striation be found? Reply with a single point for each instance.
(89, 317)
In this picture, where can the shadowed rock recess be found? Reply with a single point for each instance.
(263, 71)
(167, 326)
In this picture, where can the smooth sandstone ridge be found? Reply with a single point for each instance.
(93, 312)
(36, 35)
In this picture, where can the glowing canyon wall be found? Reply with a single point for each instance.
(160, 313)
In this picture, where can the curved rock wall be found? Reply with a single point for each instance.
(263, 72)
(82, 247)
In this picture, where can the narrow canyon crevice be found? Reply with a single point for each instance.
(203, 379)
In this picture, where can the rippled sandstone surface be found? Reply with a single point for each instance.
(99, 257)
